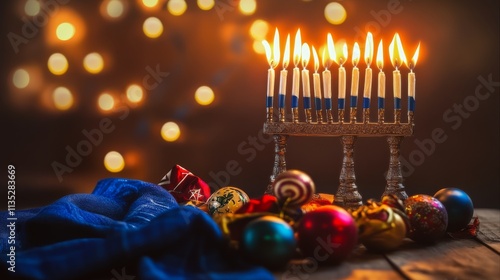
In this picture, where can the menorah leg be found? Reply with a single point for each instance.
(394, 174)
(279, 159)
(347, 194)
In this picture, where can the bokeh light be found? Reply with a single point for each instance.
(247, 7)
(63, 98)
(206, 4)
(21, 78)
(93, 63)
(259, 29)
(335, 13)
(170, 132)
(106, 102)
(57, 64)
(65, 31)
(114, 162)
(204, 95)
(135, 93)
(113, 9)
(258, 47)
(152, 27)
(150, 3)
(176, 7)
(32, 7)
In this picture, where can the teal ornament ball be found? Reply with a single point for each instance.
(268, 241)
(458, 205)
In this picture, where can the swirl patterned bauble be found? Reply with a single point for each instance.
(293, 187)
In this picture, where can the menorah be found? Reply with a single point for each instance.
(318, 122)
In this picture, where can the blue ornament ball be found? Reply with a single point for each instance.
(268, 241)
(458, 205)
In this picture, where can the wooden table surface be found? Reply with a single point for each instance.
(449, 258)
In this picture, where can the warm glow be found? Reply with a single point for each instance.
(21, 78)
(335, 13)
(152, 27)
(65, 31)
(259, 29)
(396, 52)
(170, 132)
(276, 46)
(32, 7)
(206, 4)
(63, 99)
(114, 162)
(306, 55)
(115, 8)
(135, 93)
(258, 47)
(414, 59)
(316, 59)
(93, 63)
(106, 102)
(297, 49)
(57, 64)
(150, 3)
(380, 56)
(176, 7)
(204, 95)
(356, 53)
(343, 57)
(332, 54)
(247, 7)
(369, 49)
(286, 55)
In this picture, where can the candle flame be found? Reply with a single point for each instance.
(343, 58)
(267, 48)
(306, 54)
(380, 56)
(276, 53)
(316, 60)
(356, 53)
(297, 48)
(332, 56)
(286, 55)
(369, 49)
(414, 59)
(396, 52)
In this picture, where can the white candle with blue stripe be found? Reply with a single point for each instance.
(297, 51)
(317, 86)
(327, 75)
(306, 88)
(283, 74)
(355, 75)
(342, 78)
(273, 60)
(411, 81)
(398, 57)
(368, 71)
(381, 77)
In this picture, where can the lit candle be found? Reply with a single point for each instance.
(273, 60)
(411, 81)
(355, 75)
(297, 50)
(342, 79)
(368, 71)
(306, 54)
(381, 76)
(397, 56)
(283, 74)
(327, 75)
(317, 85)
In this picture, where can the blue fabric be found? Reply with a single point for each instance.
(124, 229)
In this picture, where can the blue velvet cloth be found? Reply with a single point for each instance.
(124, 229)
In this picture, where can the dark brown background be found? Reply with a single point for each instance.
(460, 43)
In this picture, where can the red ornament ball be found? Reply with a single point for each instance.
(294, 186)
(327, 234)
(458, 205)
(427, 216)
